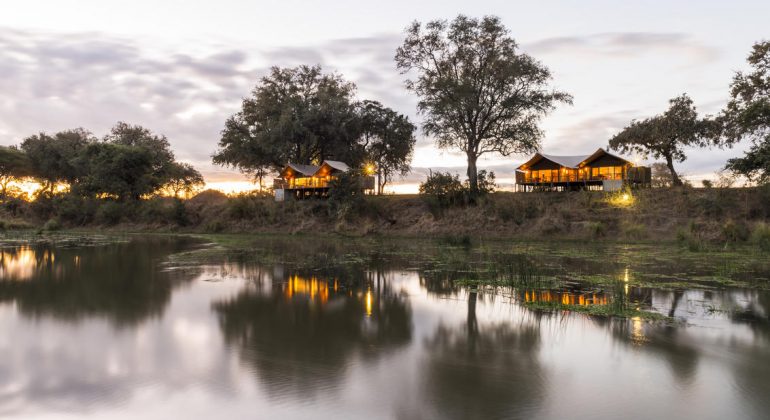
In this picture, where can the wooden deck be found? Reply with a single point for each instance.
(578, 180)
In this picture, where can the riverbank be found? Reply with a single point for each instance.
(695, 217)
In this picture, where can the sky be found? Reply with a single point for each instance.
(180, 68)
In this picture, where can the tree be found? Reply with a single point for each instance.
(388, 140)
(477, 93)
(157, 146)
(661, 175)
(54, 159)
(665, 136)
(118, 170)
(298, 115)
(747, 116)
(14, 164)
(183, 178)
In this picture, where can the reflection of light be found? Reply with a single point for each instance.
(368, 303)
(19, 264)
(566, 298)
(637, 330)
(312, 288)
(625, 280)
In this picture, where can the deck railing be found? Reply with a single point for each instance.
(314, 183)
(639, 174)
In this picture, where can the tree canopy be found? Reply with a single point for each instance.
(388, 140)
(747, 116)
(126, 164)
(299, 115)
(477, 93)
(303, 115)
(54, 159)
(665, 135)
(14, 164)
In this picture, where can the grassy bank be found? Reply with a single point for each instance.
(696, 218)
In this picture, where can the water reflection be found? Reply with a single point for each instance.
(108, 332)
(121, 282)
(300, 332)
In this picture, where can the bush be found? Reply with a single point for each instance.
(214, 226)
(597, 229)
(735, 231)
(75, 209)
(346, 189)
(761, 236)
(179, 213)
(110, 213)
(634, 231)
(52, 225)
(486, 181)
(241, 206)
(444, 190)
(707, 183)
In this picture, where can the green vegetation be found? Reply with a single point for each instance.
(747, 116)
(665, 136)
(301, 115)
(478, 94)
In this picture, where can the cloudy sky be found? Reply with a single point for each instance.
(181, 68)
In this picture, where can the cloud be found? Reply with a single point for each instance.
(626, 45)
(56, 81)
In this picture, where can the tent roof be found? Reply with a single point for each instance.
(307, 170)
(335, 164)
(573, 162)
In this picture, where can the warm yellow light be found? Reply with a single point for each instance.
(626, 197)
(368, 303)
(369, 169)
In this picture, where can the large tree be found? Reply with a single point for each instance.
(477, 93)
(388, 140)
(183, 178)
(665, 136)
(299, 115)
(747, 116)
(54, 159)
(117, 170)
(14, 164)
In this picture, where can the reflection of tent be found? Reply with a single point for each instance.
(312, 323)
(600, 169)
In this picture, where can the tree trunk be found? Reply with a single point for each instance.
(473, 175)
(674, 177)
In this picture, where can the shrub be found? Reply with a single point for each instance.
(75, 209)
(179, 213)
(241, 206)
(110, 213)
(735, 232)
(486, 182)
(707, 183)
(761, 236)
(52, 225)
(634, 231)
(443, 189)
(597, 229)
(214, 226)
(347, 192)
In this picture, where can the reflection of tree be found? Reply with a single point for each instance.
(121, 282)
(484, 373)
(668, 342)
(300, 342)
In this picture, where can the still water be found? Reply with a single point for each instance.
(116, 331)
